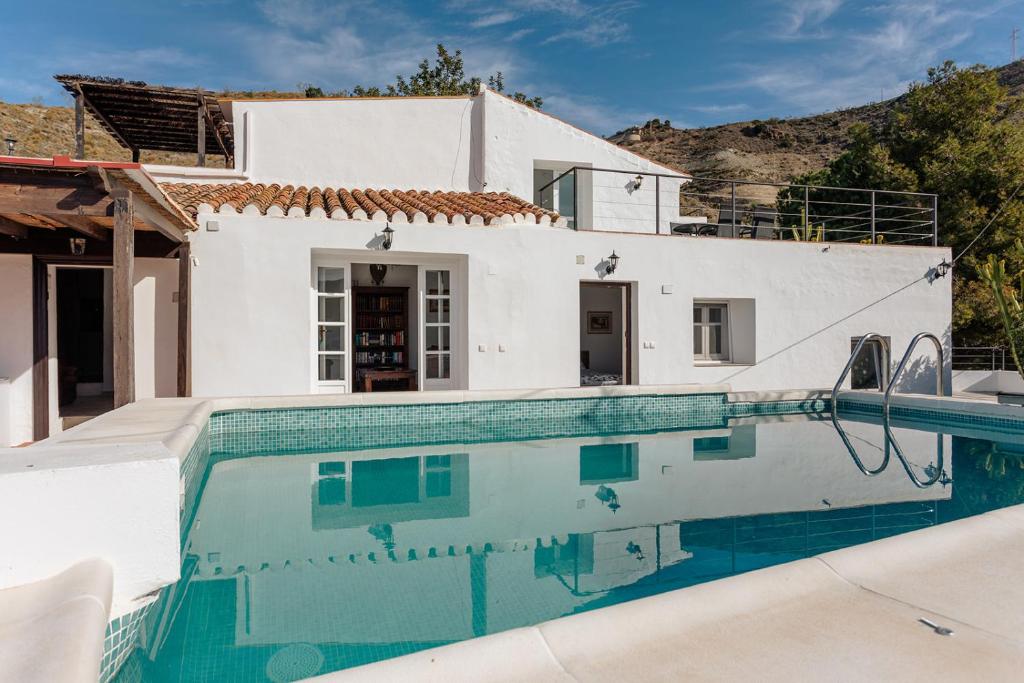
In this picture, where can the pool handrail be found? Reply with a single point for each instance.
(883, 377)
(940, 390)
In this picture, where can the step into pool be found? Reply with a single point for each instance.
(299, 559)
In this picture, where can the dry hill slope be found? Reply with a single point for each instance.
(774, 150)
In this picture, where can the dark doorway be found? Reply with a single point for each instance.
(82, 344)
(605, 333)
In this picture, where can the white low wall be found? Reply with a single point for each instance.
(62, 504)
(987, 381)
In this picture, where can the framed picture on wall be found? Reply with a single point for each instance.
(599, 322)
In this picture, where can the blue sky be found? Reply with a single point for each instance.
(602, 64)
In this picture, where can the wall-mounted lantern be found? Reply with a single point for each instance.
(613, 263)
(637, 182)
(10, 145)
(77, 246)
(388, 232)
(943, 268)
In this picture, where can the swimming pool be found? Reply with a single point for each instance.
(306, 550)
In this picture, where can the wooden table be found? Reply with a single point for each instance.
(369, 376)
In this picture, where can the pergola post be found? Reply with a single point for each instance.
(201, 131)
(184, 319)
(79, 125)
(123, 299)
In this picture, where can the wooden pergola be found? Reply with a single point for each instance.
(154, 117)
(69, 212)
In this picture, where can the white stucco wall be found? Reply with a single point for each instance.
(251, 329)
(156, 328)
(517, 136)
(404, 143)
(16, 345)
(486, 142)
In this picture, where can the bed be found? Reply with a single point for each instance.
(596, 378)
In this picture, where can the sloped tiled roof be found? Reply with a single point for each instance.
(456, 208)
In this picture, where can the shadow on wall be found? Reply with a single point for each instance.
(919, 377)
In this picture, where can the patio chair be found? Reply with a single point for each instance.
(764, 223)
(727, 230)
(684, 228)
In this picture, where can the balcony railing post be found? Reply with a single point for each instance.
(807, 208)
(993, 359)
(657, 205)
(575, 198)
(935, 221)
(873, 217)
(1002, 365)
(733, 220)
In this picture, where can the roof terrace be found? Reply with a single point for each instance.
(596, 198)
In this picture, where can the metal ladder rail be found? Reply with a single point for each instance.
(835, 401)
(940, 389)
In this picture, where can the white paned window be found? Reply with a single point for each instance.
(330, 324)
(437, 324)
(710, 332)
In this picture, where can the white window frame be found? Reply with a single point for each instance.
(705, 325)
(341, 385)
(439, 382)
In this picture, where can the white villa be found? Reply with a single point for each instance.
(620, 443)
(520, 252)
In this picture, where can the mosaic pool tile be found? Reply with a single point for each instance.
(936, 416)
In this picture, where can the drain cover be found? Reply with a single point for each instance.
(294, 662)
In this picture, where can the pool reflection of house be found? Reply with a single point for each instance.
(323, 548)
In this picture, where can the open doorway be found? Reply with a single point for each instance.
(84, 343)
(605, 334)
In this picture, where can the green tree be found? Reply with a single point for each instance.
(958, 135)
(446, 76)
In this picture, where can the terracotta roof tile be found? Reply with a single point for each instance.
(437, 206)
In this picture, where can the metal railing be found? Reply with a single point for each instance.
(935, 473)
(740, 208)
(983, 358)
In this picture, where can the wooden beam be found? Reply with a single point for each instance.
(53, 244)
(184, 320)
(13, 228)
(83, 225)
(40, 353)
(114, 131)
(124, 304)
(201, 131)
(79, 124)
(45, 199)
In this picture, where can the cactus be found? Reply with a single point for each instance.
(1008, 291)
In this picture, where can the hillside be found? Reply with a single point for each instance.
(774, 150)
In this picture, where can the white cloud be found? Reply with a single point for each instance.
(719, 108)
(803, 18)
(891, 45)
(495, 19)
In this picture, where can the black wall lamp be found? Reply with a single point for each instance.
(638, 181)
(388, 232)
(943, 268)
(613, 263)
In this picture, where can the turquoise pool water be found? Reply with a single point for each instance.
(306, 552)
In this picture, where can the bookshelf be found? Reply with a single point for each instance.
(380, 330)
